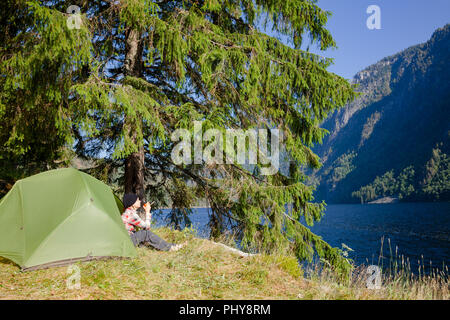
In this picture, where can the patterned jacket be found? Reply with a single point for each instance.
(131, 220)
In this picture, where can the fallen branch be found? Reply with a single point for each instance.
(239, 252)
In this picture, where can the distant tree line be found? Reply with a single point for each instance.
(430, 184)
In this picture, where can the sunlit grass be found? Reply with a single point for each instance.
(205, 270)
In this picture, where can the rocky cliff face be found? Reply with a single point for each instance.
(402, 112)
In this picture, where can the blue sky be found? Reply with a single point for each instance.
(403, 23)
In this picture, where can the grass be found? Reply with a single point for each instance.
(203, 270)
(393, 287)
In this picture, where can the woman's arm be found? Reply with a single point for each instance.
(138, 222)
(148, 215)
(135, 220)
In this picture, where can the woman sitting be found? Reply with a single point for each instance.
(132, 220)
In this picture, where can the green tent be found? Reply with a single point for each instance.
(60, 216)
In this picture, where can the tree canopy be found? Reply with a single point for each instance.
(135, 71)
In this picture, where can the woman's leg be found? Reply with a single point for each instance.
(144, 236)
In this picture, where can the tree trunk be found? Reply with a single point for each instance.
(134, 163)
(134, 173)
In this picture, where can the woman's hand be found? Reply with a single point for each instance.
(147, 207)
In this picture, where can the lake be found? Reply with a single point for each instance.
(419, 231)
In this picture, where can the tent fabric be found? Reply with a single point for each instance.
(59, 216)
(119, 204)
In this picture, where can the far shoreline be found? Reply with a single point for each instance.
(379, 201)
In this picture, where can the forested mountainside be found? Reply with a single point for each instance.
(393, 140)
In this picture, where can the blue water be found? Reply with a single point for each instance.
(419, 231)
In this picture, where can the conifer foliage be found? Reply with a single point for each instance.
(137, 70)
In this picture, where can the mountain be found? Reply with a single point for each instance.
(393, 140)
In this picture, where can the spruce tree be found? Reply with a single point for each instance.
(133, 71)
